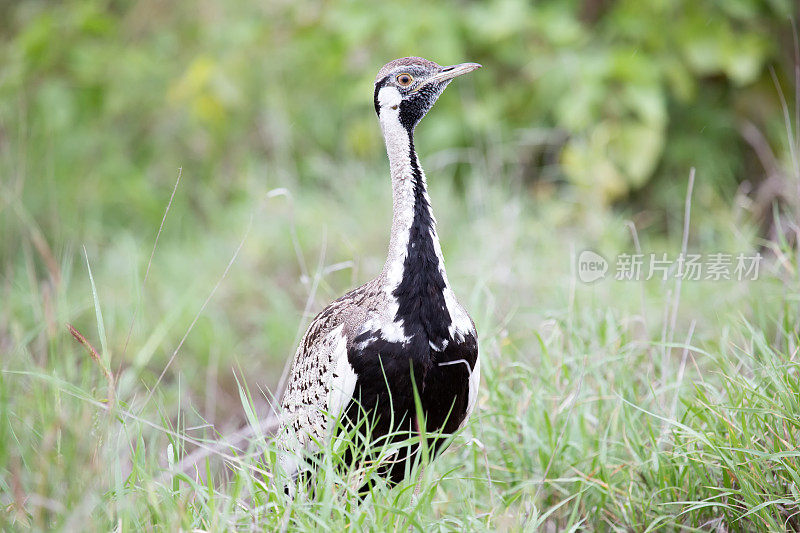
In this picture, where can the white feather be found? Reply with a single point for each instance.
(388, 97)
(461, 323)
(344, 377)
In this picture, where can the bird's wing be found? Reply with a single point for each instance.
(304, 405)
(321, 382)
(342, 381)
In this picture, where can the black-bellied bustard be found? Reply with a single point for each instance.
(368, 351)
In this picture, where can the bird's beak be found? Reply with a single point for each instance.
(448, 73)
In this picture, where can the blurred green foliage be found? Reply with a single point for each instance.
(101, 101)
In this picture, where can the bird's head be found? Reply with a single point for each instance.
(406, 88)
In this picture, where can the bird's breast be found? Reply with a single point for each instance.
(390, 374)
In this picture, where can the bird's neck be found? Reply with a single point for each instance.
(414, 273)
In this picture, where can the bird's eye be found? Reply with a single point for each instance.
(405, 79)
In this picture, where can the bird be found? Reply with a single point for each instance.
(400, 345)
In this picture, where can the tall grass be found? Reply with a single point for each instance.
(589, 415)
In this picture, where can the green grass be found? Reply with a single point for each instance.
(594, 412)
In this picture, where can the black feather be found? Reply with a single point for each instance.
(388, 373)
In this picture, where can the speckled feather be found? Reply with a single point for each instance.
(305, 402)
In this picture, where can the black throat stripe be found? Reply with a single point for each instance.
(420, 294)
